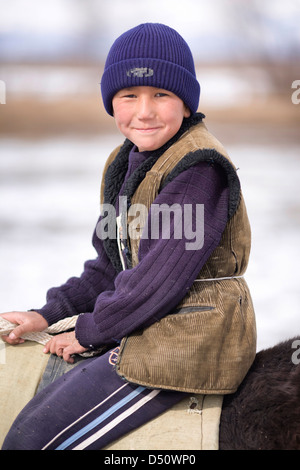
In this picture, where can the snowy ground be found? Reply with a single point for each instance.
(49, 205)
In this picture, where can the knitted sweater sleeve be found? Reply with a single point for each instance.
(166, 269)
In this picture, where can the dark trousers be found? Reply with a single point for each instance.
(87, 407)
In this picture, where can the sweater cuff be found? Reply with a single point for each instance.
(86, 331)
(52, 312)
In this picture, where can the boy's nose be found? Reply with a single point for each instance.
(145, 108)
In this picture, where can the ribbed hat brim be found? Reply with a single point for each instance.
(150, 72)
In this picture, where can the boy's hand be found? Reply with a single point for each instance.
(64, 345)
(26, 322)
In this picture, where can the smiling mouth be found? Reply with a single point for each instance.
(147, 130)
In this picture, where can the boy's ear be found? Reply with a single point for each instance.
(187, 111)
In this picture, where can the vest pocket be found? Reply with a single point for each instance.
(183, 310)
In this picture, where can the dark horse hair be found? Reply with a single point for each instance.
(264, 413)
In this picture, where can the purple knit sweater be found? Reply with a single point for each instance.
(113, 304)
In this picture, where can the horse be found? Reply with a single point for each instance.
(264, 413)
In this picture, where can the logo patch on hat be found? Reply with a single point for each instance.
(140, 72)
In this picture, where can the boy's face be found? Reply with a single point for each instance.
(148, 116)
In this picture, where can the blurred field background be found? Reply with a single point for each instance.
(55, 135)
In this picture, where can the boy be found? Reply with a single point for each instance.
(178, 315)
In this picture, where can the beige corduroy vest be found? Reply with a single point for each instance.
(209, 343)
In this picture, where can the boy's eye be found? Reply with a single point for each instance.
(160, 94)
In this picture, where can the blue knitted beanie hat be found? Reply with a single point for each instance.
(151, 54)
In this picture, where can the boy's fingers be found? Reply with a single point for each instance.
(68, 354)
(8, 340)
(18, 332)
(47, 347)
